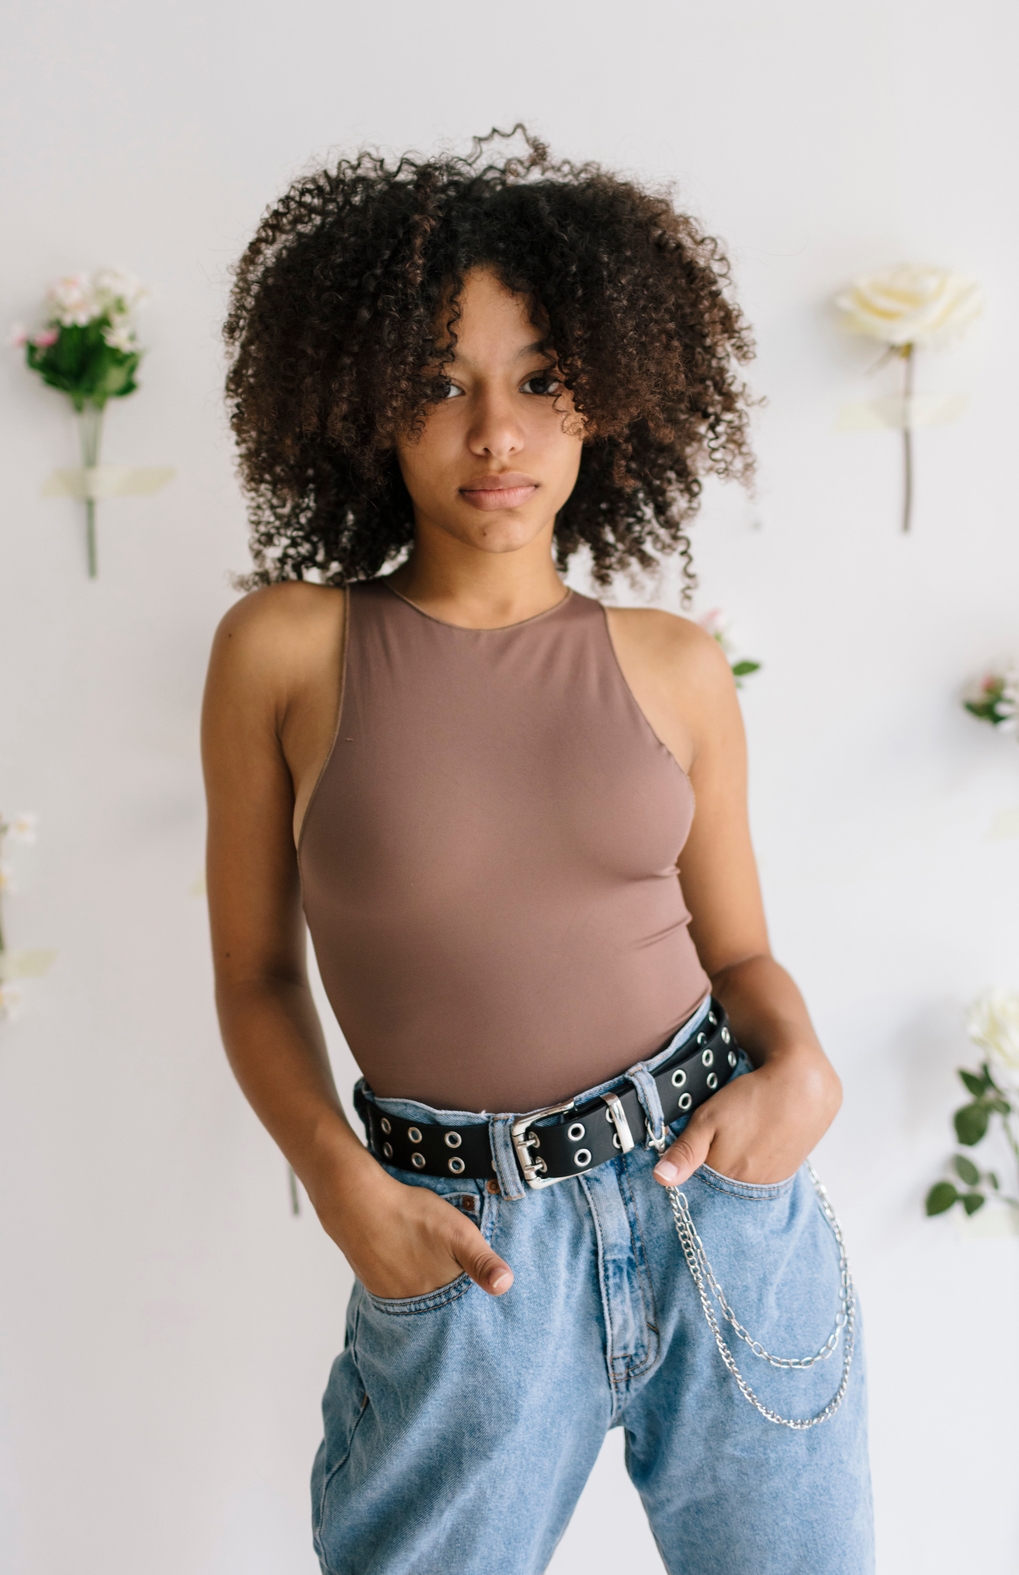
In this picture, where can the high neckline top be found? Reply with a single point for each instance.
(489, 859)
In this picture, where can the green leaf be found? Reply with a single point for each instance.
(941, 1197)
(744, 668)
(995, 1183)
(971, 1201)
(971, 1123)
(966, 1170)
(1002, 1106)
(973, 1082)
(82, 365)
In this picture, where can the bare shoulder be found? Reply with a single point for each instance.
(283, 615)
(284, 630)
(678, 676)
(669, 648)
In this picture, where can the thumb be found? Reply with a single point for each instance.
(686, 1155)
(484, 1266)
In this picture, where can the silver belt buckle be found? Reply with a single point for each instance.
(524, 1140)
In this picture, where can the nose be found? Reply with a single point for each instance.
(495, 429)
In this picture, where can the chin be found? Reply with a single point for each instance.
(503, 536)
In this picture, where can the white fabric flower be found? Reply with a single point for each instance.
(910, 305)
(1008, 705)
(993, 1024)
(77, 300)
(120, 336)
(117, 291)
(71, 301)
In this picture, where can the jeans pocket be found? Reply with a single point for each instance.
(478, 1207)
(753, 1191)
(411, 1306)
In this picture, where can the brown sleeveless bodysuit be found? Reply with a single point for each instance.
(489, 860)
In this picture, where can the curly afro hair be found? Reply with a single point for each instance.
(344, 310)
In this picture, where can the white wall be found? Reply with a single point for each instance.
(165, 1325)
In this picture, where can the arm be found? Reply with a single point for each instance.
(262, 731)
(761, 1127)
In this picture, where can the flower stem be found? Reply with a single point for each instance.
(907, 436)
(91, 427)
(90, 537)
(1013, 1145)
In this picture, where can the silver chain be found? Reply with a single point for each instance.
(708, 1287)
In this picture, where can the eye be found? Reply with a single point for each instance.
(443, 388)
(542, 383)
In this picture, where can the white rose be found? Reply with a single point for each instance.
(993, 1024)
(910, 305)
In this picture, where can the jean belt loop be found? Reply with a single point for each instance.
(361, 1102)
(650, 1102)
(504, 1159)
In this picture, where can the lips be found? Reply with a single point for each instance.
(504, 491)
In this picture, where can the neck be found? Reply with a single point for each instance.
(460, 584)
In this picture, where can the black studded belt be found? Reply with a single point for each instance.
(564, 1140)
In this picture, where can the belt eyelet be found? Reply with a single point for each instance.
(678, 1077)
(453, 1140)
(685, 1101)
(712, 1080)
(576, 1131)
(582, 1157)
(707, 1057)
(414, 1134)
(387, 1150)
(457, 1165)
(386, 1126)
(418, 1161)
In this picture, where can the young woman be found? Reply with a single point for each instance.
(477, 787)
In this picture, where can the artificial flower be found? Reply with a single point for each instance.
(117, 291)
(910, 305)
(993, 1025)
(996, 700)
(71, 301)
(121, 337)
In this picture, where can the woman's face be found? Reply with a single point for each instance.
(499, 453)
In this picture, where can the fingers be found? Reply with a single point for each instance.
(484, 1266)
(686, 1155)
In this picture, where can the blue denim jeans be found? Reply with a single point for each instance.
(460, 1428)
